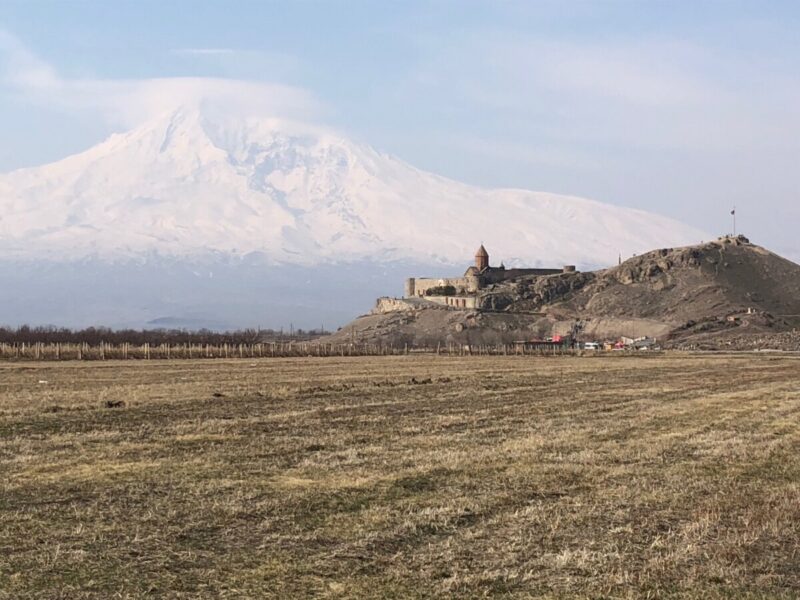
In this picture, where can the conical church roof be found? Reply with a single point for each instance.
(482, 252)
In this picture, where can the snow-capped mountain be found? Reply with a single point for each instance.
(233, 222)
(191, 183)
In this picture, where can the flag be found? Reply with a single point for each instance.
(733, 212)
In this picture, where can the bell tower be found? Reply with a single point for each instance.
(481, 258)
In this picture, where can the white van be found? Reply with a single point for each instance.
(591, 346)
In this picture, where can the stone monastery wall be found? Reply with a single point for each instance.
(416, 287)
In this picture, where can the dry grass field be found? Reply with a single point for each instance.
(402, 477)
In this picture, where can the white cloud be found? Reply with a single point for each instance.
(127, 102)
(204, 51)
(650, 74)
(21, 68)
(656, 93)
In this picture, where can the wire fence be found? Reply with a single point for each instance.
(104, 351)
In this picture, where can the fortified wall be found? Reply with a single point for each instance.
(419, 286)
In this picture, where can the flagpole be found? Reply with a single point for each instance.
(734, 221)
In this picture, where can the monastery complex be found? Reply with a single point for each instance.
(463, 292)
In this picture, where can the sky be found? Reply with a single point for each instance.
(682, 108)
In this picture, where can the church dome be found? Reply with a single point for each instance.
(481, 258)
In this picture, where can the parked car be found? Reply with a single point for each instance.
(591, 346)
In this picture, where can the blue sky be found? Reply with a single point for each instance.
(683, 108)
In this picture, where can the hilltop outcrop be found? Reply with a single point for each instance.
(728, 293)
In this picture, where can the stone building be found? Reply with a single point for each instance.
(462, 292)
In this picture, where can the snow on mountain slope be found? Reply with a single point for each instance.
(191, 183)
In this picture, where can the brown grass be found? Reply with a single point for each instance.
(670, 476)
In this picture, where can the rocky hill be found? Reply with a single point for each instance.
(723, 294)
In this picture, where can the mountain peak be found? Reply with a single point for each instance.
(195, 180)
